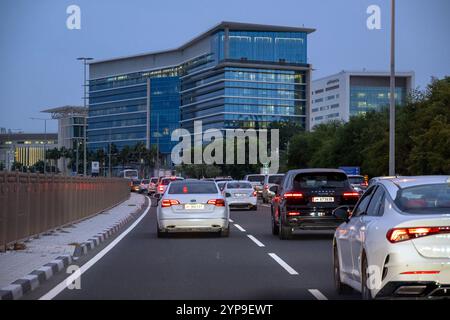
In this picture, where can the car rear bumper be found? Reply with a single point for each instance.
(193, 225)
(414, 289)
(247, 201)
(313, 222)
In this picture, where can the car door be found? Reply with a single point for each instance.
(362, 225)
(349, 233)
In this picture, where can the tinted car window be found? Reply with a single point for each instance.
(165, 182)
(361, 207)
(239, 185)
(320, 179)
(154, 180)
(424, 199)
(192, 188)
(256, 178)
(145, 181)
(275, 179)
(356, 180)
(376, 202)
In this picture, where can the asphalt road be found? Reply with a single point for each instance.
(250, 264)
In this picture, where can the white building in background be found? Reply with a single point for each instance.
(347, 93)
(71, 124)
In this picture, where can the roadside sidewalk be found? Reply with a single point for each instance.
(24, 270)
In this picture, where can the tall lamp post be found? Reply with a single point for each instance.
(46, 140)
(392, 96)
(85, 60)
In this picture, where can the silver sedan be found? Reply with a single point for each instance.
(192, 206)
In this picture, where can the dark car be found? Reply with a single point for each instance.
(306, 199)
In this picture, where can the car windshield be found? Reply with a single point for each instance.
(356, 180)
(256, 178)
(275, 179)
(166, 181)
(239, 185)
(197, 187)
(424, 199)
(320, 180)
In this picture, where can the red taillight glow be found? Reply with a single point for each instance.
(350, 194)
(403, 234)
(217, 202)
(293, 195)
(254, 193)
(185, 189)
(421, 272)
(161, 188)
(293, 213)
(169, 202)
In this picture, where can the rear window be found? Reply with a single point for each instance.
(166, 181)
(424, 199)
(154, 180)
(320, 180)
(145, 181)
(256, 178)
(275, 179)
(356, 180)
(239, 185)
(136, 182)
(192, 188)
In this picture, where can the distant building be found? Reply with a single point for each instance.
(234, 75)
(348, 93)
(71, 124)
(26, 148)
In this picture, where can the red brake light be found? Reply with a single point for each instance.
(169, 202)
(161, 188)
(403, 234)
(293, 213)
(421, 272)
(350, 194)
(185, 189)
(293, 195)
(254, 193)
(217, 202)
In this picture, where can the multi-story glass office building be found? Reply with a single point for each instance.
(235, 75)
(349, 93)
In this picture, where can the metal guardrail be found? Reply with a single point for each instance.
(31, 204)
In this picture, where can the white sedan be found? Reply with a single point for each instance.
(240, 195)
(192, 206)
(396, 242)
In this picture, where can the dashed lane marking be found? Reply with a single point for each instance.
(281, 262)
(258, 243)
(317, 294)
(239, 227)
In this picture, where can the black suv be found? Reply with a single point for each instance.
(306, 198)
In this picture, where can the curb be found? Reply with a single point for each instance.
(36, 278)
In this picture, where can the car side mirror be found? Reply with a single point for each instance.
(342, 213)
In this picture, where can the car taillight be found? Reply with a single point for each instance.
(403, 234)
(217, 202)
(169, 202)
(350, 195)
(293, 195)
(254, 193)
(161, 188)
(293, 213)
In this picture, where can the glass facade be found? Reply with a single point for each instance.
(255, 78)
(365, 98)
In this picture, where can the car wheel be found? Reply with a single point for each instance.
(225, 232)
(285, 231)
(161, 234)
(365, 291)
(275, 227)
(340, 287)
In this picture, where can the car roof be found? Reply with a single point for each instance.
(409, 181)
(315, 170)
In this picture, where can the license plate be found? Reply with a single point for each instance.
(239, 195)
(194, 206)
(323, 199)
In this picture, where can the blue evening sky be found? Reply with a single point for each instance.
(38, 53)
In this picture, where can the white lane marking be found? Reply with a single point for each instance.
(280, 261)
(230, 220)
(69, 280)
(317, 294)
(239, 227)
(258, 243)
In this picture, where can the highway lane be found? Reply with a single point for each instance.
(250, 264)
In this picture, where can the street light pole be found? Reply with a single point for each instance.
(84, 59)
(392, 96)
